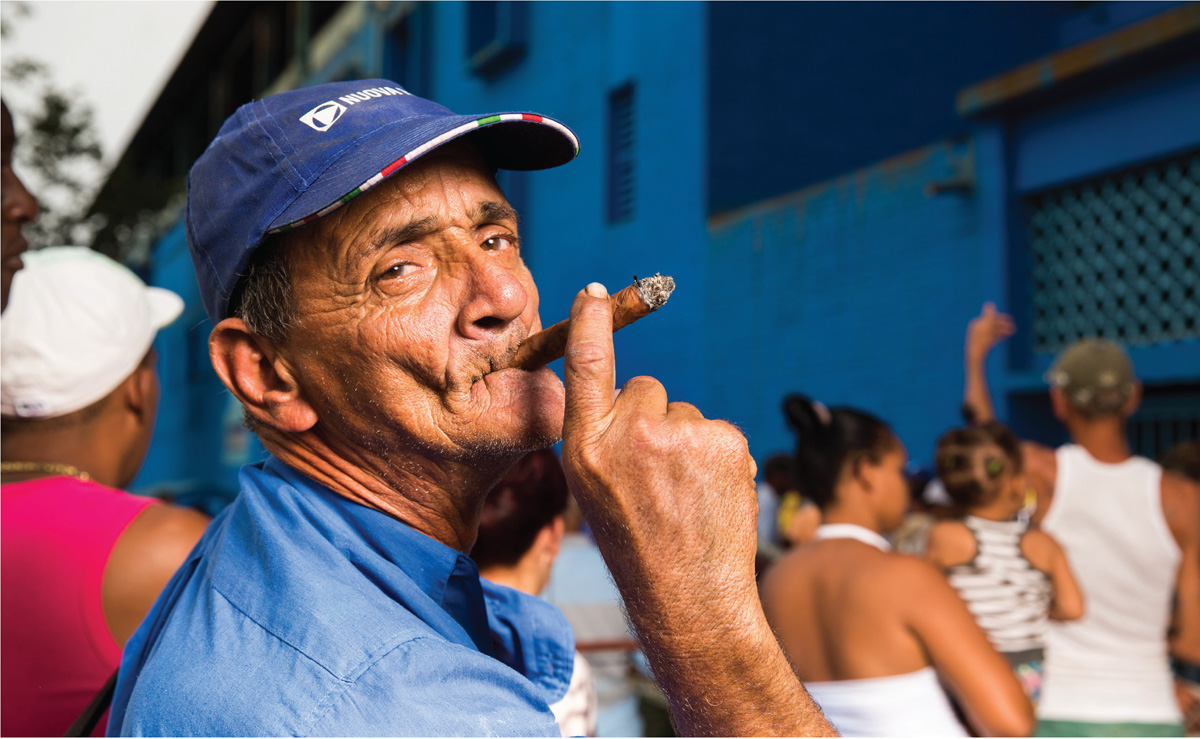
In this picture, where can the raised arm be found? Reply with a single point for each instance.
(983, 332)
(670, 497)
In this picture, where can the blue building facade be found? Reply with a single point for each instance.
(836, 189)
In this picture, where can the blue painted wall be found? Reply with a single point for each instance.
(856, 292)
(803, 92)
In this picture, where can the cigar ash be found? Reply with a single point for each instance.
(655, 290)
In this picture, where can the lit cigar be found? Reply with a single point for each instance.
(638, 300)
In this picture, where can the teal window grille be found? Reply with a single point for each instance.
(1118, 256)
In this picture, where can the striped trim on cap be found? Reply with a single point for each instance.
(437, 141)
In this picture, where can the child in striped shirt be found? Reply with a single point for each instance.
(1012, 577)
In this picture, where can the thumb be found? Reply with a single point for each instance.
(989, 309)
(589, 365)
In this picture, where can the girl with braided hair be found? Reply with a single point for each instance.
(1013, 578)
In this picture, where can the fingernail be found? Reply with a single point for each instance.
(596, 290)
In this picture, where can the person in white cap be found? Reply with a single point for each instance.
(82, 560)
(1132, 534)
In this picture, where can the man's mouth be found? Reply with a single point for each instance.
(496, 363)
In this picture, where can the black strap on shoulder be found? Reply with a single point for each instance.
(86, 723)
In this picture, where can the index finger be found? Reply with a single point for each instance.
(589, 365)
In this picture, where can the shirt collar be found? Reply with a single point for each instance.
(446, 575)
(327, 576)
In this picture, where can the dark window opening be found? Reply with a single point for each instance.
(495, 36)
(622, 140)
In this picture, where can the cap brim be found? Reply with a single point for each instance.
(518, 141)
(165, 306)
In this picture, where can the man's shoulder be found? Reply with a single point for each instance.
(304, 593)
(422, 686)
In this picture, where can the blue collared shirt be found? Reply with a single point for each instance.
(302, 613)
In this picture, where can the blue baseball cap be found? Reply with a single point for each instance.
(291, 158)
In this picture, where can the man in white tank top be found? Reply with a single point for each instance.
(1132, 535)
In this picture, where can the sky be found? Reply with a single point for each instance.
(115, 55)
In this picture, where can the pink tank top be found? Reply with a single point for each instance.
(56, 535)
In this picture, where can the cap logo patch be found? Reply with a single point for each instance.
(30, 408)
(323, 116)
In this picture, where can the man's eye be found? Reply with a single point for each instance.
(397, 271)
(495, 243)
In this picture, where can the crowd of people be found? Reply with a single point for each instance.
(379, 572)
(1054, 592)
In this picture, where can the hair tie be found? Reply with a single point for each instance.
(994, 467)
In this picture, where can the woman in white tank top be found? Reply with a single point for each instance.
(873, 634)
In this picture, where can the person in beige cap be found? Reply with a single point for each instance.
(1132, 534)
(82, 560)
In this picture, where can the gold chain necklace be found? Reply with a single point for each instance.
(49, 468)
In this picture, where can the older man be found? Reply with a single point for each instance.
(363, 271)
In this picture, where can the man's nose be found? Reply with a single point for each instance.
(497, 296)
(19, 204)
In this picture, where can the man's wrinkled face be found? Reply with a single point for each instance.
(411, 301)
(16, 209)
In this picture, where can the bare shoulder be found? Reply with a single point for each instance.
(172, 520)
(144, 558)
(911, 574)
(165, 533)
(1181, 505)
(951, 543)
(918, 589)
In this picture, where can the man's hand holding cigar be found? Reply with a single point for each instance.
(670, 496)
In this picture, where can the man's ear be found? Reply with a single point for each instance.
(1059, 404)
(861, 470)
(1135, 400)
(556, 529)
(141, 391)
(257, 374)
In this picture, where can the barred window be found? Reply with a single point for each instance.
(1118, 256)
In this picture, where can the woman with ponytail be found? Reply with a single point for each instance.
(874, 634)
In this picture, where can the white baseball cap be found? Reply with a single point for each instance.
(76, 326)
